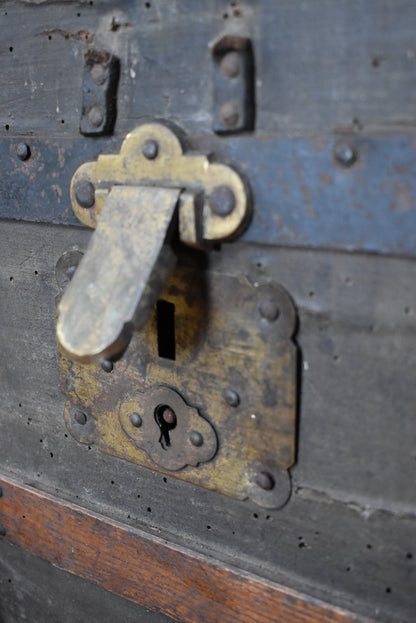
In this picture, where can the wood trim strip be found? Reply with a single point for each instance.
(148, 570)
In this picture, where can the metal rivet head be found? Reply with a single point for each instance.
(136, 420)
(98, 73)
(85, 194)
(269, 310)
(229, 114)
(265, 481)
(23, 151)
(80, 418)
(231, 397)
(196, 438)
(345, 154)
(222, 201)
(231, 64)
(107, 365)
(95, 117)
(169, 416)
(150, 149)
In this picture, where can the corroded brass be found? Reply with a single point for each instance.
(131, 199)
(234, 373)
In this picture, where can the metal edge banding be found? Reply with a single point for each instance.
(148, 570)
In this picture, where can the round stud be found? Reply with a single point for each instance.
(231, 398)
(222, 201)
(269, 310)
(23, 151)
(196, 438)
(229, 114)
(136, 420)
(95, 117)
(85, 194)
(231, 65)
(150, 149)
(265, 481)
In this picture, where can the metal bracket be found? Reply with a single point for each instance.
(132, 200)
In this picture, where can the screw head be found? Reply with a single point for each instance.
(345, 154)
(231, 398)
(95, 117)
(23, 151)
(80, 418)
(269, 310)
(136, 420)
(229, 114)
(196, 438)
(85, 194)
(169, 416)
(265, 481)
(222, 201)
(150, 149)
(107, 365)
(231, 64)
(98, 73)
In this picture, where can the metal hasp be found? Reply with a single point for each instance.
(206, 389)
(138, 201)
(234, 103)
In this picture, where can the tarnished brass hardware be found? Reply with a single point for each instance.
(231, 381)
(169, 428)
(131, 200)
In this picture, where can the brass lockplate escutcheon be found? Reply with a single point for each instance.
(231, 384)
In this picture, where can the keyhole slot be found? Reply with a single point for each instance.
(166, 420)
(165, 320)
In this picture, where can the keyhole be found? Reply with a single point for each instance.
(166, 420)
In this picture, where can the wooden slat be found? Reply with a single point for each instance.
(148, 570)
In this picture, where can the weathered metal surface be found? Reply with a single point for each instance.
(225, 347)
(131, 200)
(99, 93)
(233, 65)
(120, 276)
(152, 155)
(369, 206)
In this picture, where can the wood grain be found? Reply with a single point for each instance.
(149, 570)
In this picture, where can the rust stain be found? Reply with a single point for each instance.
(326, 179)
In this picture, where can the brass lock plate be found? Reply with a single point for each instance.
(206, 390)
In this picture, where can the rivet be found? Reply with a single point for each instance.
(269, 310)
(98, 74)
(136, 420)
(80, 418)
(107, 365)
(231, 398)
(95, 117)
(169, 416)
(85, 194)
(222, 201)
(196, 438)
(231, 64)
(229, 114)
(265, 481)
(3, 530)
(150, 149)
(345, 154)
(23, 151)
